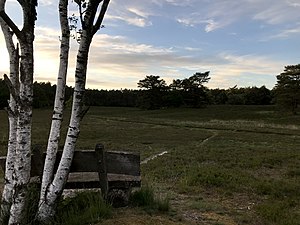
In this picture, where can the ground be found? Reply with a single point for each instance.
(221, 165)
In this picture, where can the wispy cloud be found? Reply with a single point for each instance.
(130, 12)
(210, 24)
(220, 13)
(285, 34)
(245, 70)
(278, 12)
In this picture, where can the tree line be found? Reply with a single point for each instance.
(154, 93)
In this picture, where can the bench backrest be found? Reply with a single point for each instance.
(98, 160)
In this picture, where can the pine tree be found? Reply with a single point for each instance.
(287, 89)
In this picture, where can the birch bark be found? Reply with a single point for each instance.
(13, 84)
(23, 151)
(47, 209)
(22, 162)
(57, 117)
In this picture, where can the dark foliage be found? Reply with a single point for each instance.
(155, 94)
(4, 94)
(287, 89)
(154, 91)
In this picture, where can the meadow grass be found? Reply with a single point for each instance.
(242, 161)
(146, 198)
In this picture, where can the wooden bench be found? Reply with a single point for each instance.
(116, 173)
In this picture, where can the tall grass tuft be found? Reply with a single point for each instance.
(146, 199)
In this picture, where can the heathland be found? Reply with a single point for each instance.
(220, 164)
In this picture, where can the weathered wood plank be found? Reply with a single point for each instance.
(123, 163)
(84, 161)
(91, 180)
(94, 169)
(82, 185)
(102, 170)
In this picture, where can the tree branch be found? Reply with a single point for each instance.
(11, 24)
(12, 89)
(21, 2)
(101, 16)
(80, 16)
(83, 112)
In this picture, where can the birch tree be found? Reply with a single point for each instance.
(88, 13)
(12, 81)
(91, 14)
(57, 117)
(21, 111)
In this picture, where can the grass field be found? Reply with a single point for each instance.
(224, 164)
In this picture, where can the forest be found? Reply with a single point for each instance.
(181, 93)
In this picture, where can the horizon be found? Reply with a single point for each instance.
(245, 43)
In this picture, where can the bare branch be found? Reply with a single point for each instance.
(81, 16)
(12, 89)
(83, 112)
(101, 16)
(10, 23)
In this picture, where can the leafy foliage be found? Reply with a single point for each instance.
(152, 97)
(288, 88)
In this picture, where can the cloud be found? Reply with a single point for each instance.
(278, 13)
(138, 12)
(284, 34)
(294, 3)
(129, 19)
(116, 62)
(219, 13)
(245, 70)
(130, 12)
(186, 22)
(212, 25)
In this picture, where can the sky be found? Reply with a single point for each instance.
(244, 43)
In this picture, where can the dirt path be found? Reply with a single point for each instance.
(145, 161)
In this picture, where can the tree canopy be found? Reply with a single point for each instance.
(287, 89)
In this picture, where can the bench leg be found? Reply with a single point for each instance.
(118, 197)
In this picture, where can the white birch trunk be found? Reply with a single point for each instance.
(12, 116)
(47, 209)
(23, 151)
(57, 117)
(55, 189)
(22, 162)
